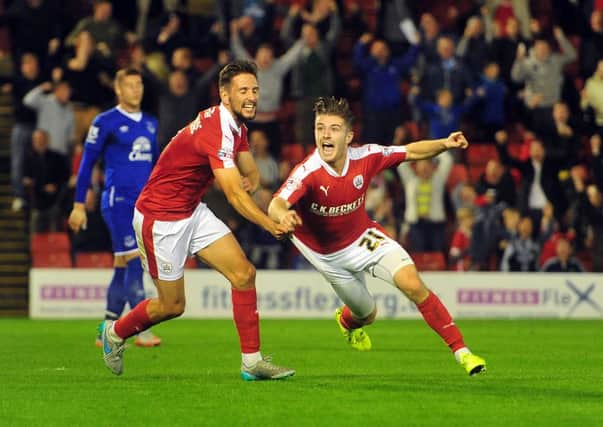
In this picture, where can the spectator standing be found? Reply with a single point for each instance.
(313, 75)
(381, 74)
(25, 120)
(424, 192)
(521, 253)
(542, 73)
(54, 115)
(271, 77)
(45, 176)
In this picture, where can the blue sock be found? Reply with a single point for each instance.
(116, 297)
(133, 282)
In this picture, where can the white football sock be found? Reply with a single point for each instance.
(250, 359)
(460, 352)
(114, 337)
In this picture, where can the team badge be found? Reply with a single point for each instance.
(358, 181)
(124, 128)
(129, 241)
(151, 127)
(387, 151)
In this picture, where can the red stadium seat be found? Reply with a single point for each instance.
(293, 153)
(50, 242)
(54, 259)
(475, 171)
(586, 259)
(94, 260)
(429, 261)
(479, 154)
(458, 174)
(190, 263)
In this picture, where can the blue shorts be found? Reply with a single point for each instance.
(118, 214)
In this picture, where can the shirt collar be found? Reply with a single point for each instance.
(230, 119)
(328, 167)
(136, 116)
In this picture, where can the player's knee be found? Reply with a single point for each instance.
(244, 277)
(408, 281)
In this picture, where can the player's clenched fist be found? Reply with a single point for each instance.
(457, 140)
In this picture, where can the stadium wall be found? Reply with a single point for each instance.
(80, 293)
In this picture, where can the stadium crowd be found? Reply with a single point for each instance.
(522, 79)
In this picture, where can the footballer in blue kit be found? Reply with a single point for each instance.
(125, 139)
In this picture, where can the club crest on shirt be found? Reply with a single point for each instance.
(124, 128)
(358, 181)
(141, 150)
(129, 241)
(151, 127)
(387, 151)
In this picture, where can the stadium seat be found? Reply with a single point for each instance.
(54, 259)
(190, 263)
(479, 154)
(429, 261)
(586, 259)
(475, 171)
(94, 260)
(458, 174)
(50, 242)
(293, 153)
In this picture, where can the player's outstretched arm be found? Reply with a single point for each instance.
(279, 210)
(230, 182)
(432, 147)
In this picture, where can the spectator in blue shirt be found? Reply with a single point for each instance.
(382, 99)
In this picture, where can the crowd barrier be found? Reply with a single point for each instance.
(80, 293)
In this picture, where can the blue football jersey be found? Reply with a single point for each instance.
(128, 148)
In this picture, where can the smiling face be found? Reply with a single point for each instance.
(240, 96)
(332, 136)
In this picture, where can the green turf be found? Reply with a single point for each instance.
(540, 373)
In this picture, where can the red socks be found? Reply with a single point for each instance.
(137, 320)
(437, 316)
(247, 320)
(347, 321)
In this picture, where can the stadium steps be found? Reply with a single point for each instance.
(14, 229)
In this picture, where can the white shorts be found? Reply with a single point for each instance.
(164, 246)
(373, 252)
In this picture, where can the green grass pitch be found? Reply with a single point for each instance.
(540, 373)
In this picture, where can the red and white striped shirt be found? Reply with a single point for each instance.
(331, 205)
(183, 172)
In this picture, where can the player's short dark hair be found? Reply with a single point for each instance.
(335, 107)
(235, 68)
(129, 71)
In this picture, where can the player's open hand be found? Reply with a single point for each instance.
(78, 219)
(456, 140)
